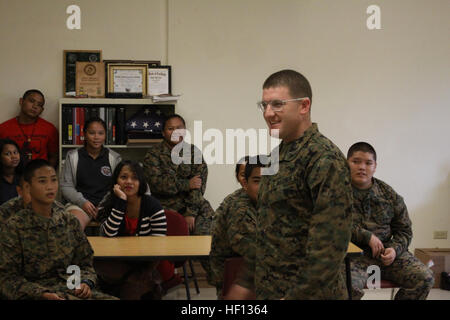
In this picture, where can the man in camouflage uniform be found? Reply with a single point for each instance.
(180, 186)
(233, 232)
(39, 243)
(14, 205)
(381, 226)
(303, 226)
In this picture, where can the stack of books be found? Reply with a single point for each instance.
(74, 117)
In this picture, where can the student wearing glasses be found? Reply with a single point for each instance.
(36, 137)
(304, 209)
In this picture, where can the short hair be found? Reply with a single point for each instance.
(253, 163)
(171, 117)
(32, 166)
(88, 122)
(3, 143)
(361, 146)
(31, 91)
(297, 84)
(242, 161)
(136, 168)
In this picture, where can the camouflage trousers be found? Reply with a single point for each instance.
(413, 277)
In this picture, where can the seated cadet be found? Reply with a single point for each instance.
(240, 170)
(38, 244)
(180, 187)
(381, 226)
(240, 177)
(20, 202)
(233, 232)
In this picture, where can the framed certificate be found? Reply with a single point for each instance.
(70, 58)
(127, 79)
(159, 80)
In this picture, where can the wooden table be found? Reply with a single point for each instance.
(353, 250)
(174, 248)
(151, 248)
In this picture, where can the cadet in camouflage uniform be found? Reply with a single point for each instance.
(180, 187)
(14, 205)
(36, 248)
(303, 226)
(381, 226)
(233, 232)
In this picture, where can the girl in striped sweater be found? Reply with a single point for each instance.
(128, 211)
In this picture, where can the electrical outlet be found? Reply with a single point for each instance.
(440, 235)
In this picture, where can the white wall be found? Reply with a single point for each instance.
(389, 87)
(34, 34)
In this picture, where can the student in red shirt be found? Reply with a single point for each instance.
(36, 137)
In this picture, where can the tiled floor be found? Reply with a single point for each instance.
(380, 294)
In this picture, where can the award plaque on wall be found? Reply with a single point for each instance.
(70, 57)
(90, 79)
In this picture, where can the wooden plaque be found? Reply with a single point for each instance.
(90, 79)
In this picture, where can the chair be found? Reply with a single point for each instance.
(386, 284)
(177, 226)
(92, 229)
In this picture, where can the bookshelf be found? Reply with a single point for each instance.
(132, 151)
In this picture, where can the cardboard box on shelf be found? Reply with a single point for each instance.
(437, 259)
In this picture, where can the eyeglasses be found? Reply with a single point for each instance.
(276, 105)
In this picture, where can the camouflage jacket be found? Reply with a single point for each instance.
(35, 253)
(233, 233)
(9, 208)
(303, 226)
(382, 212)
(16, 204)
(169, 182)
